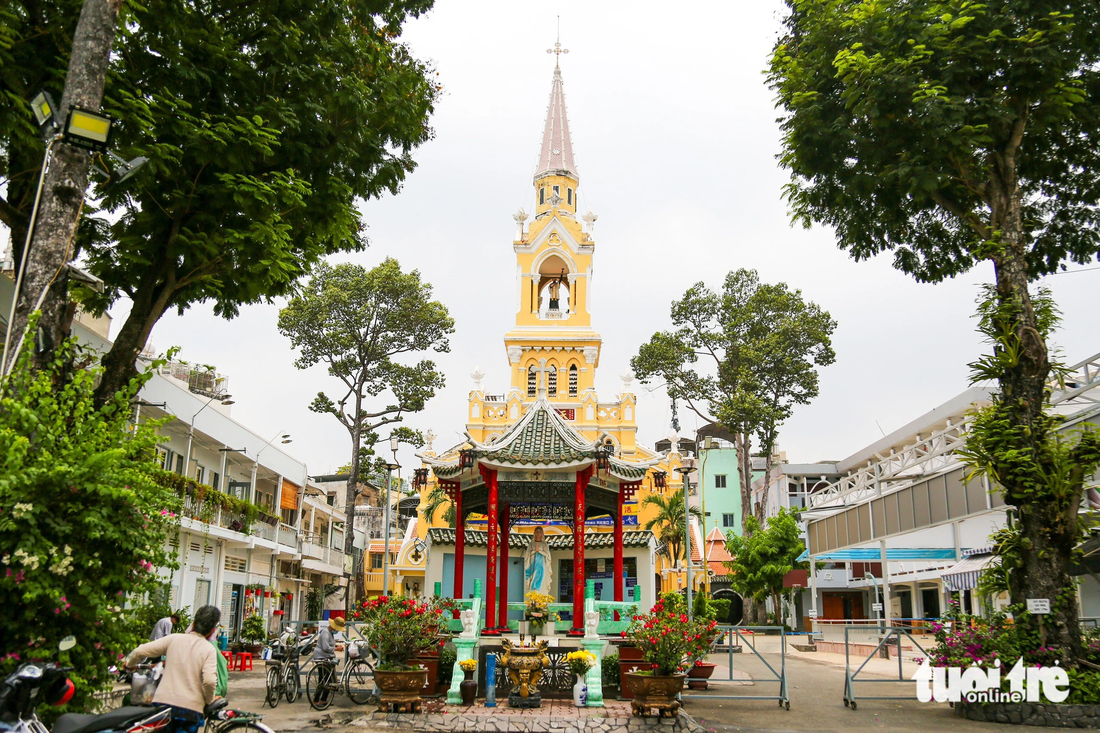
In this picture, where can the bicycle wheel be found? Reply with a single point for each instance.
(318, 690)
(274, 685)
(290, 682)
(359, 682)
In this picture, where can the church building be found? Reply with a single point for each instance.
(548, 483)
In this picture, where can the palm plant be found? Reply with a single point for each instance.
(669, 521)
(436, 499)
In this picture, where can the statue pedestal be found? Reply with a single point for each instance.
(594, 678)
(531, 701)
(467, 649)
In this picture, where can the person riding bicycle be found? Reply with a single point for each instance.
(324, 652)
(190, 669)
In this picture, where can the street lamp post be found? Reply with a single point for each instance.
(225, 399)
(390, 467)
(686, 467)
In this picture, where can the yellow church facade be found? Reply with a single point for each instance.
(553, 353)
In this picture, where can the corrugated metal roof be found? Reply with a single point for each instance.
(872, 554)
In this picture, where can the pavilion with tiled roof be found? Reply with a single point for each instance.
(540, 461)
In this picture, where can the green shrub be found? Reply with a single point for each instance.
(721, 609)
(253, 630)
(83, 526)
(447, 658)
(610, 670)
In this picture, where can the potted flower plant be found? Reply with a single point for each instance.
(579, 663)
(537, 611)
(670, 642)
(400, 629)
(253, 633)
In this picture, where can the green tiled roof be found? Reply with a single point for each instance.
(539, 441)
(542, 438)
(520, 540)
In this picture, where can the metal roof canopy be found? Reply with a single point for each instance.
(873, 554)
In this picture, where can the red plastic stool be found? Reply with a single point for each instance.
(242, 659)
(229, 660)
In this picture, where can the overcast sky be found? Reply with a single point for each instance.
(675, 137)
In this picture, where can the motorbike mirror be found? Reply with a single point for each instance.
(67, 643)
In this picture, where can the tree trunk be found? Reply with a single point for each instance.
(743, 443)
(45, 284)
(120, 363)
(349, 506)
(1049, 525)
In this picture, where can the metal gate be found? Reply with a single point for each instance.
(726, 643)
(850, 677)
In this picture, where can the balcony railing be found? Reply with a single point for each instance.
(288, 536)
(327, 555)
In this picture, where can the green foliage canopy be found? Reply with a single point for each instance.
(264, 125)
(910, 127)
(765, 556)
(742, 358)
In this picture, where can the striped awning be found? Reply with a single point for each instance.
(964, 574)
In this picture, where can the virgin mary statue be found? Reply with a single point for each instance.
(537, 573)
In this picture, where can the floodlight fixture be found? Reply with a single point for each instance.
(43, 107)
(87, 129)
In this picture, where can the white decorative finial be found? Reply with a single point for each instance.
(628, 379)
(674, 441)
(477, 375)
(520, 217)
(429, 438)
(590, 220)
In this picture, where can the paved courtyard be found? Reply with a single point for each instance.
(816, 684)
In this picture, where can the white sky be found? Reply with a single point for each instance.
(675, 137)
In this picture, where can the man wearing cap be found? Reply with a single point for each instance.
(325, 653)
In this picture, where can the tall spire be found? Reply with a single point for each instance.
(556, 156)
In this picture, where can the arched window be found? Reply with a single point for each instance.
(573, 380)
(569, 196)
(542, 196)
(532, 381)
(552, 382)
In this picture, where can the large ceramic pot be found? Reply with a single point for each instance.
(651, 691)
(400, 688)
(701, 671)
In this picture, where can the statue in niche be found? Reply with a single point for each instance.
(537, 570)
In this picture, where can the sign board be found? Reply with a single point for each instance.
(876, 607)
(813, 613)
(1038, 605)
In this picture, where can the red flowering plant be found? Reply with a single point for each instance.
(400, 628)
(669, 640)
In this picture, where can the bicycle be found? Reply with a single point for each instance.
(356, 680)
(283, 674)
(220, 718)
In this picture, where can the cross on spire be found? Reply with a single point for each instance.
(541, 371)
(557, 50)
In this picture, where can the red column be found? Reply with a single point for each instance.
(504, 567)
(618, 550)
(491, 553)
(578, 552)
(460, 539)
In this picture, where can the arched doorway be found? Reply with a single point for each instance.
(737, 606)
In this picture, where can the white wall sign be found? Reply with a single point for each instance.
(876, 606)
(813, 613)
(1038, 605)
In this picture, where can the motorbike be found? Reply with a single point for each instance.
(47, 682)
(34, 683)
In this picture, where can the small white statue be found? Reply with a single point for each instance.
(591, 621)
(469, 623)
